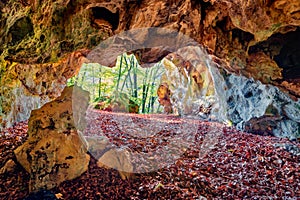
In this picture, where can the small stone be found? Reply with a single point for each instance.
(119, 160)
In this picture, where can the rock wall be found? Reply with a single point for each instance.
(44, 42)
(25, 87)
(248, 104)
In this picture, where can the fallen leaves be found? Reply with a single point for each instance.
(239, 165)
(59, 196)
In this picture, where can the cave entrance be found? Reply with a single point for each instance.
(172, 85)
(127, 87)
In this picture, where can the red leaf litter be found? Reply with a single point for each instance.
(235, 165)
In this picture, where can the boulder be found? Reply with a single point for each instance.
(118, 159)
(54, 151)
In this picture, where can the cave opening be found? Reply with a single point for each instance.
(171, 85)
(103, 17)
(126, 87)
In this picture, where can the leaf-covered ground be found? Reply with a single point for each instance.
(214, 161)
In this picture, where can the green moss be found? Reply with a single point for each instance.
(275, 27)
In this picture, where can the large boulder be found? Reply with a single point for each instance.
(54, 151)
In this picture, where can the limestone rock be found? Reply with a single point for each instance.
(28, 87)
(186, 82)
(54, 151)
(163, 94)
(260, 108)
(251, 105)
(118, 159)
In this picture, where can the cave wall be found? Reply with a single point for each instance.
(43, 43)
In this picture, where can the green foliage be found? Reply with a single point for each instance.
(127, 83)
(71, 81)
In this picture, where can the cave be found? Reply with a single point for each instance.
(210, 115)
(102, 16)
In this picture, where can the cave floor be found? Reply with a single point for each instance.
(219, 162)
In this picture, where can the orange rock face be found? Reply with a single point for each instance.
(163, 94)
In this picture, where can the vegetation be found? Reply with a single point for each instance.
(125, 87)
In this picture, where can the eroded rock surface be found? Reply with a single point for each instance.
(245, 35)
(251, 105)
(25, 87)
(54, 151)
